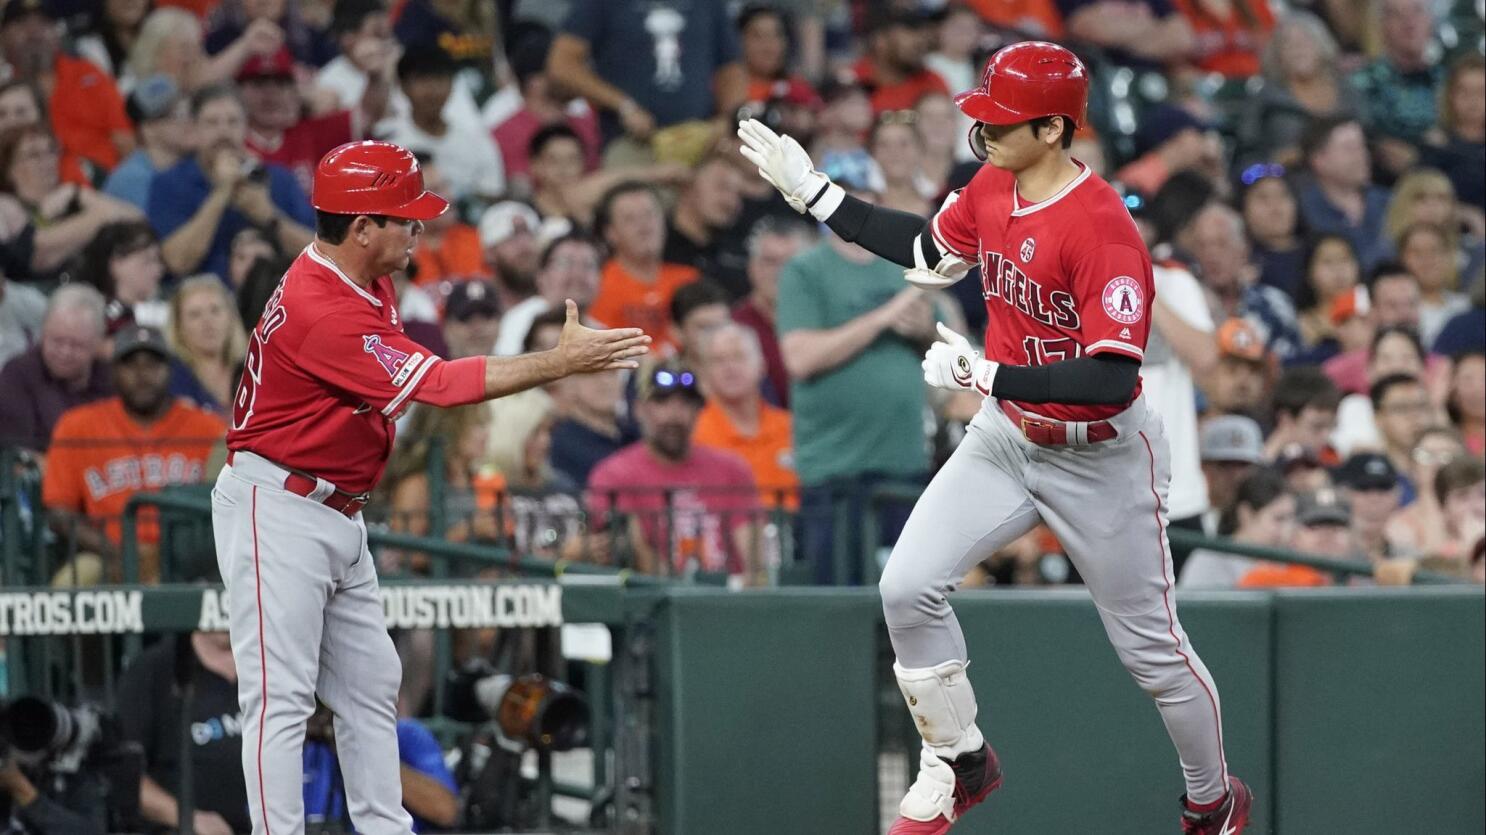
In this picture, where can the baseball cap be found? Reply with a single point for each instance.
(1232, 438)
(839, 86)
(139, 338)
(1323, 507)
(1295, 454)
(1366, 471)
(498, 223)
(1161, 123)
(1237, 338)
(153, 98)
(1348, 305)
(16, 9)
(475, 297)
(669, 378)
(278, 64)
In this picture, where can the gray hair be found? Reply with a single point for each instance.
(770, 226)
(157, 26)
(1271, 62)
(750, 339)
(82, 297)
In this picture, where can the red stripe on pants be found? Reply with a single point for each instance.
(263, 663)
(1171, 620)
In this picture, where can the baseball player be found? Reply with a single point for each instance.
(1063, 437)
(327, 372)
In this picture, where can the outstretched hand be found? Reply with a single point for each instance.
(584, 350)
(782, 162)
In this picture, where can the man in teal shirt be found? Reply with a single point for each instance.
(852, 334)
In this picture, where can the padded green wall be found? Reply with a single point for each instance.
(1353, 711)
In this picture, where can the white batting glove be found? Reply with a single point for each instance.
(785, 165)
(952, 363)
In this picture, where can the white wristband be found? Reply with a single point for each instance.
(828, 202)
(985, 376)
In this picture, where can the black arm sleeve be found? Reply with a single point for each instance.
(1106, 380)
(885, 232)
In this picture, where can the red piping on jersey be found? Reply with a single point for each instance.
(262, 662)
(1171, 620)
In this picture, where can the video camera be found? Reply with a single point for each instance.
(75, 755)
(36, 733)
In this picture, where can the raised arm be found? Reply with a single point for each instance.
(900, 237)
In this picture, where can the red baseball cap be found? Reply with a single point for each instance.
(278, 64)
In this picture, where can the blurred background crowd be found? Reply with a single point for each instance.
(1310, 176)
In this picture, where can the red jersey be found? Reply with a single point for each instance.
(1064, 278)
(302, 146)
(327, 371)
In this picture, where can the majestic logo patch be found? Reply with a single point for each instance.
(1123, 300)
(1029, 248)
(387, 356)
(1124, 333)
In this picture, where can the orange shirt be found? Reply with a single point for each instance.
(1273, 576)
(458, 256)
(901, 96)
(1033, 17)
(769, 453)
(1230, 47)
(100, 457)
(625, 301)
(87, 111)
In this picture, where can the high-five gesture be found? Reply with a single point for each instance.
(583, 350)
(787, 167)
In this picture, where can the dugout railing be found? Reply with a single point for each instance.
(736, 713)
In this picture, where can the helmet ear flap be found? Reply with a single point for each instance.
(978, 141)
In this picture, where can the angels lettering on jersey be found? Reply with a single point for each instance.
(1063, 278)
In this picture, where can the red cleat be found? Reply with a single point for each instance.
(1230, 818)
(945, 790)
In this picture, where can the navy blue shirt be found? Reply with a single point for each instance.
(661, 53)
(1367, 237)
(1464, 333)
(178, 192)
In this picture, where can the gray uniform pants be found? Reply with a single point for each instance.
(1106, 503)
(306, 620)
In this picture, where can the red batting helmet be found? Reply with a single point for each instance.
(1027, 81)
(374, 178)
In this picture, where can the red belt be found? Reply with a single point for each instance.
(303, 484)
(1044, 432)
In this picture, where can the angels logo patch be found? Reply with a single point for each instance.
(1123, 300)
(1029, 248)
(391, 359)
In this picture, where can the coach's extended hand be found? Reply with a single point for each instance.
(584, 350)
(787, 167)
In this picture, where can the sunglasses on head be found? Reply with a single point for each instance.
(1261, 170)
(664, 380)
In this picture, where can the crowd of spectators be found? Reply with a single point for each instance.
(1309, 181)
(1309, 175)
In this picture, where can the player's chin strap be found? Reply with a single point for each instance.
(943, 707)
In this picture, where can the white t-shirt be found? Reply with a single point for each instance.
(1356, 428)
(516, 323)
(1206, 569)
(466, 154)
(343, 78)
(1168, 388)
(1432, 317)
